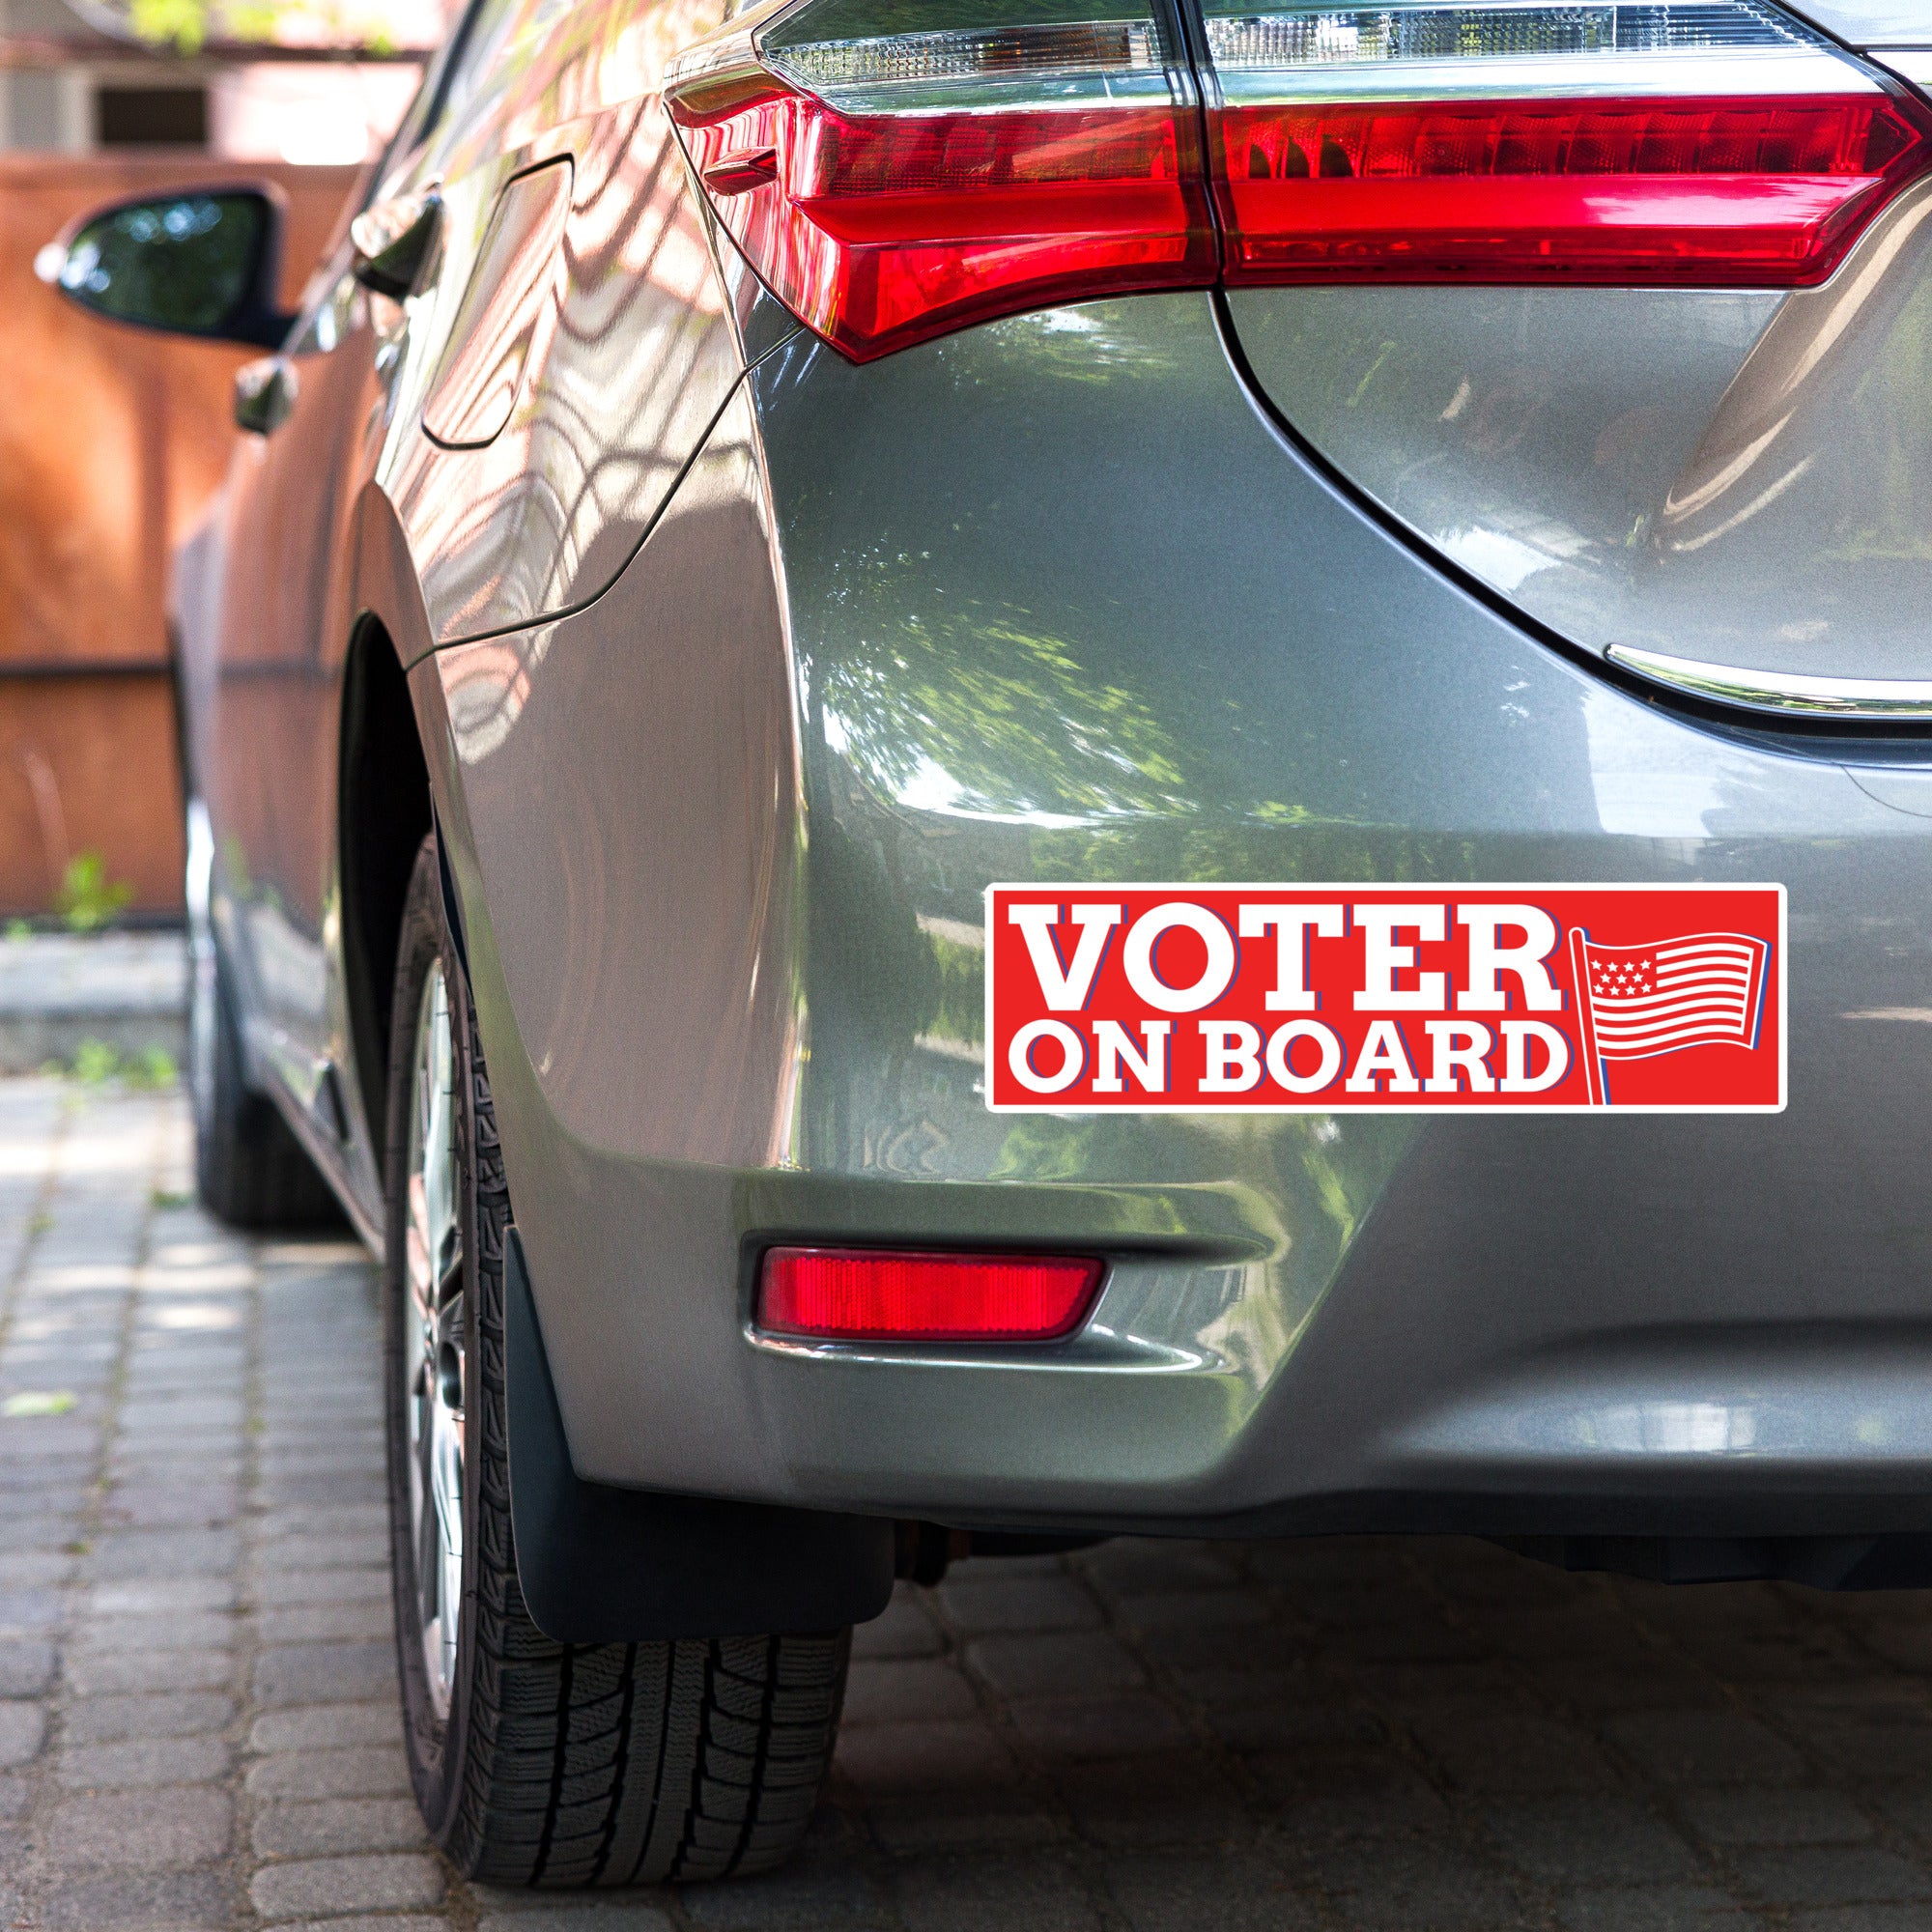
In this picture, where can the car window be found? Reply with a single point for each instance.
(452, 82)
(450, 79)
(324, 316)
(507, 47)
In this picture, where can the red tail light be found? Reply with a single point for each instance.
(879, 230)
(892, 186)
(1716, 191)
(859, 1294)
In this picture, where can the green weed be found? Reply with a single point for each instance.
(88, 898)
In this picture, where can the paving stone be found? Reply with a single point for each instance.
(906, 1692)
(318, 1887)
(366, 1773)
(1132, 1565)
(26, 1667)
(363, 1487)
(1776, 1816)
(157, 1902)
(1673, 1907)
(327, 1726)
(172, 1420)
(390, 1922)
(955, 1895)
(23, 1729)
(1226, 1646)
(338, 1825)
(351, 1449)
(58, 1500)
(23, 1610)
(96, 1672)
(157, 1630)
(1054, 1665)
(39, 1532)
(1149, 1803)
(1828, 1874)
(1228, 1891)
(1272, 1719)
(164, 1596)
(330, 1552)
(934, 1821)
(367, 1618)
(1128, 1724)
(577, 1916)
(321, 1586)
(1861, 1918)
(1349, 1791)
(202, 1506)
(143, 1761)
(176, 1714)
(804, 1897)
(145, 1831)
(164, 1553)
(317, 1673)
(994, 1602)
(1484, 1748)
(1596, 1840)
(1887, 1749)
(1191, 1609)
(920, 1757)
(32, 1570)
(1401, 1887)
(1906, 1805)
(1705, 1748)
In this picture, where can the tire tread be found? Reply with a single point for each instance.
(611, 1764)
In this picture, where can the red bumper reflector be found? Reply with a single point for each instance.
(1717, 193)
(861, 1295)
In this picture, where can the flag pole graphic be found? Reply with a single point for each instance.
(1593, 1065)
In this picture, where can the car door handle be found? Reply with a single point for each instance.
(392, 241)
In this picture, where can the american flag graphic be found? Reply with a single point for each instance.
(1697, 989)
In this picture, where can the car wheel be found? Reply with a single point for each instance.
(249, 1169)
(535, 1762)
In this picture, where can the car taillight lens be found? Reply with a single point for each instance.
(893, 174)
(1716, 143)
(864, 1294)
(891, 187)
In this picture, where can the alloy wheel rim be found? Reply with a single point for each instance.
(433, 1398)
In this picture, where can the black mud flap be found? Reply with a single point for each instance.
(605, 1565)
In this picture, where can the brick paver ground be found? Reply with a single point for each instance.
(197, 1716)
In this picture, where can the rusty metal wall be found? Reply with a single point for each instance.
(110, 443)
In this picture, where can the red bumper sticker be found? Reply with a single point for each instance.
(1387, 998)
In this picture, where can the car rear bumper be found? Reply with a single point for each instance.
(720, 840)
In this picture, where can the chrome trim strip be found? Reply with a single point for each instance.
(1782, 692)
(1773, 70)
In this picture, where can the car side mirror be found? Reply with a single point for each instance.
(264, 392)
(200, 262)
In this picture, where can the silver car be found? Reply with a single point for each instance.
(901, 709)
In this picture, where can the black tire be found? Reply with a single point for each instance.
(562, 1764)
(249, 1169)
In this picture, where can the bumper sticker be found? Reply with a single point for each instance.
(1385, 999)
